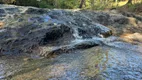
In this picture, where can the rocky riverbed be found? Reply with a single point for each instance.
(44, 44)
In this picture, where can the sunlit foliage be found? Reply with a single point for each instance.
(71, 4)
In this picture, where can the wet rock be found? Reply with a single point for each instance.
(127, 14)
(113, 59)
(86, 44)
(55, 33)
(23, 37)
(138, 17)
(41, 19)
(2, 15)
(12, 10)
(36, 11)
(42, 27)
(131, 15)
(95, 30)
(103, 18)
(2, 11)
(1, 19)
(55, 13)
(121, 20)
(83, 33)
(36, 19)
(78, 44)
(103, 30)
(99, 17)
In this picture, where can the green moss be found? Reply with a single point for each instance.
(95, 62)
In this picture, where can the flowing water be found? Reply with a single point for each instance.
(97, 63)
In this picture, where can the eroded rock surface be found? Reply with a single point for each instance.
(27, 28)
(69, 44)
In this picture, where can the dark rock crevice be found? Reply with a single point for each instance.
(55, 33)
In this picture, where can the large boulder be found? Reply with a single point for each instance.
(23, 38)
(27, 28)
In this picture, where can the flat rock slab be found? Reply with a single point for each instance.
(90, 64)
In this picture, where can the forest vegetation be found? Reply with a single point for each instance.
(73, 4)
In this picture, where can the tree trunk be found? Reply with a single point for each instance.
(82, 3)
(129, 2)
